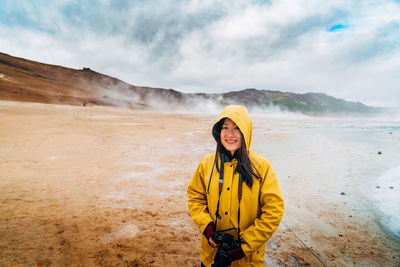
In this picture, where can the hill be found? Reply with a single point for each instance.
(308, 103)
(26, 80)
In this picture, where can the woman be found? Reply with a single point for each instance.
(234, 191)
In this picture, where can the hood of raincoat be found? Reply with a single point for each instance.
(239, 115)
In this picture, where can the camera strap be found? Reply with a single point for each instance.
(221, 182)
(240, 197)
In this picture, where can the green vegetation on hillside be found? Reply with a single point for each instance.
(313, 103)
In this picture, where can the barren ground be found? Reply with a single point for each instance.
(95, 186)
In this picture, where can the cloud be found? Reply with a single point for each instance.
(348, 49)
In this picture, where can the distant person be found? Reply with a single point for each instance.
(234, 196)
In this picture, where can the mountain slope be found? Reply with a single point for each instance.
(310, 103)
(25, 80)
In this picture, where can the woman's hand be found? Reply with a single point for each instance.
(212, 243)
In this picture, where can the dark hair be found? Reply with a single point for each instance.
(244, 166)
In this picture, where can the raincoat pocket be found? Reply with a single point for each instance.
(207, 252)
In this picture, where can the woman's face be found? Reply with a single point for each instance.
(231, 137)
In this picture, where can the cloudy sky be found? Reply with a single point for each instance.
(345, 48)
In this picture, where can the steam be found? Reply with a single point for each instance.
(120, 96)
(123, 96)
(117, 93)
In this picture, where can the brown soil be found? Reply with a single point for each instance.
(96, 186)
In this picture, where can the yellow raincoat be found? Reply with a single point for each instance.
(261, 206)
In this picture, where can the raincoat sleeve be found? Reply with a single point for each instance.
(271, 204)
(197, 201)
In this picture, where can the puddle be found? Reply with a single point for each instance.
(129, 230)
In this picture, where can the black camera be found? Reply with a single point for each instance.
(227, 242)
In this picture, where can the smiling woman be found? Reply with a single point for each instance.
(236, 218)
